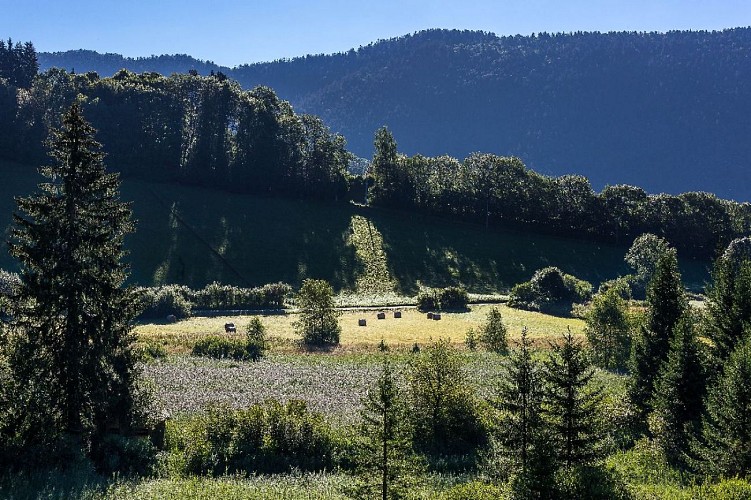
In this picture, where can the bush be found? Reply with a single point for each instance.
(453, 298)
(591, 482)
(427, 300)
(216, 296)
(227, 348)
(266, 438)
(127, 456)
(160, 302)
(550, 290)
(474, 490)
(255, 336)
(151, 350)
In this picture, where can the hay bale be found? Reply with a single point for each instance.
(381, 315)
(229, 328)
(171, 318)
(436, 316)
(361, 322)
(397, 314)
(430, 315)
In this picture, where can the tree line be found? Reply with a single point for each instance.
(495, 190)
(186, 128)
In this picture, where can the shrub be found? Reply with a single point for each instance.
(453, 298)
(550, 290)
(128, 456)
(152, 350)
(218, 296)
(266, 438)
(227, 348)
(160, 302)
(427, 300)
(474, 490)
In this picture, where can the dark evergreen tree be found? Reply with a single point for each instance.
(725, 445)
(571, 403)
(386, 170)
(72, 357)
(666, 303)
(728, 305)
(678, 394)
(386, 460)
(521, 446)
(493, 333)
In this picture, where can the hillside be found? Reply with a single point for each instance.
(194, 236)
(666, 111)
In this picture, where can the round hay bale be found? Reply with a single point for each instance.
(361, 322)
(381, 315)
(397, 314)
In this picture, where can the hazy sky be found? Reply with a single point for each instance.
(232, 32)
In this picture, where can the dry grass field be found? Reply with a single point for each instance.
(402, 333)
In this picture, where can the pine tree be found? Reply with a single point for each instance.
(386, 459)
(728, 305)
(72, 355)
(571, 404)
(725, 445)
(678, 394)
(666, 303)
(519, 400)
(493, 333)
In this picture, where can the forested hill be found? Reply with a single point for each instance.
(666, 111)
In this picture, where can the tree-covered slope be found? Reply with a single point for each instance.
(667, 111)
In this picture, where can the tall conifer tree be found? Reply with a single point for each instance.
(666, 302)
(72, 345)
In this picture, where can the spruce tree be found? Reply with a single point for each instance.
(728, 305)
(678, 394)
(607, 330)
(386, 459)
(72, 356)
(666, 303)
(571, 403)
(725, 445)
(521, 444)
(493, 333)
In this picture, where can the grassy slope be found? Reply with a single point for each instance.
(195, 236)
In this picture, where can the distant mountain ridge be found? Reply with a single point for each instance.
(665, 111)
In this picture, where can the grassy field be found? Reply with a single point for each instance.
(195, 236)
(412, 327)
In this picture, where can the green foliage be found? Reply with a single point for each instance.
(72, 361)
(520, 450)
(473, 490)
(590, 482)
(318, 323)
(493, 333)
(607, 329)
(255, 336)
(550, 290)
(266, 438)
(444, 411)
(127, 456)
(643, 256)
(163, 301)
(571, 403)
(724, 449)
(152, 350)
(386, 463)
(453, 298)
(216, 296)
(470, 340)
(427, 300)
(666, 303)
(678, 394)
(729, 303)
(228, 348)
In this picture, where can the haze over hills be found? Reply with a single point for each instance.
(666, 111)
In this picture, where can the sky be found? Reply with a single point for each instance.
(233, 32)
